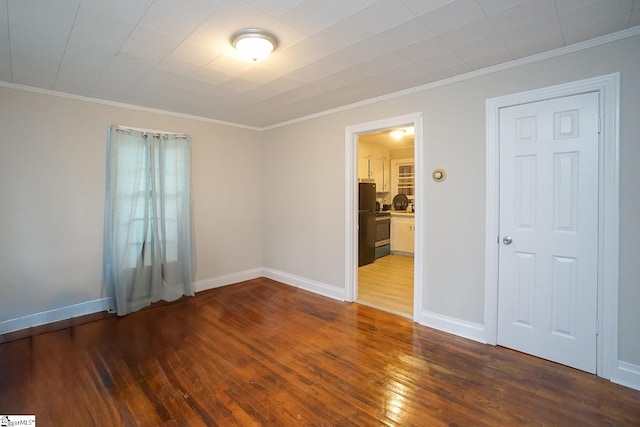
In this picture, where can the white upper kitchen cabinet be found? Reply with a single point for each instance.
(383, 171)
(366, 164)
(365, 167)
(374, 163)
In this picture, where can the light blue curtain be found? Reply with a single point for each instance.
(147, 235)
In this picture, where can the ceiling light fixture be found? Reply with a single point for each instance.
(397, 133)
(254, 43)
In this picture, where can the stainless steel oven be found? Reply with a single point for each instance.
(383, 234)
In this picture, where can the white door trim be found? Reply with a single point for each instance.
(351, 203)
(608, 87)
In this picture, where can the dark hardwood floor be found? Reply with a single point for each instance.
(263, 353)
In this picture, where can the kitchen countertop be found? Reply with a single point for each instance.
(402, 213)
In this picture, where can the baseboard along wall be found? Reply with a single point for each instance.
(626, 374)
(452, 325)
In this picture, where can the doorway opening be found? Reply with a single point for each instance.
(386, 163)
(384, 269)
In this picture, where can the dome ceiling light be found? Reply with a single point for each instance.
(254, 44)
(397, 133)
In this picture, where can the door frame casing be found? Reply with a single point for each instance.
(608, 88)
(351, 203)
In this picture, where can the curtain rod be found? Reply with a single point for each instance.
(130, 129)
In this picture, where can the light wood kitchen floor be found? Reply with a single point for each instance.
(387, 284)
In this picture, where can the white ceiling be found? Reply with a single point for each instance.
(175, 55)
(384, 139)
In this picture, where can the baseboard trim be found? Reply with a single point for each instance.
(306, 284)
(452, 325)
(104, 304)
(627, 374)
(228, 279)
(55, 315)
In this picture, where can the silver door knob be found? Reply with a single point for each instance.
(507, 240)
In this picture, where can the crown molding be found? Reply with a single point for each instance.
(598, 41)
(75, 97)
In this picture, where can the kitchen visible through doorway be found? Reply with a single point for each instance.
(386, 219)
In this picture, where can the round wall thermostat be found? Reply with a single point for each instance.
(439, 175)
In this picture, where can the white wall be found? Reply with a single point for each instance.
(306, 161)
(401, 153)
(52, 187)
(304, 177)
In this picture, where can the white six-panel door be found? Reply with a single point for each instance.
(547, 291)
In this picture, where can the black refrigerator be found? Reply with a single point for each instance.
(366, 223)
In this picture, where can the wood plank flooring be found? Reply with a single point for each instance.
(387, 284)
(263, 353)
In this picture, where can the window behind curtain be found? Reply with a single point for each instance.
(148, 242)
